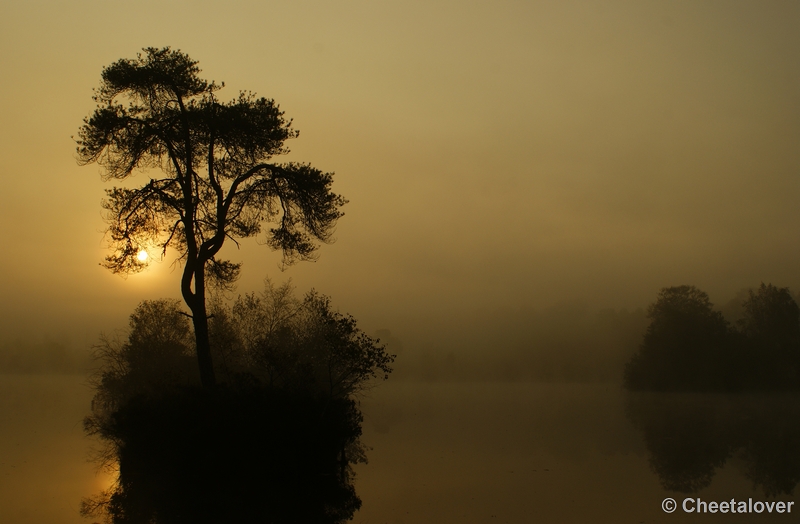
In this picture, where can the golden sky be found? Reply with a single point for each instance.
(496, 155)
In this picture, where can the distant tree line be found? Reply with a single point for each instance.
(690, 346)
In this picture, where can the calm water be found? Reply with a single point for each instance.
(460, 452)
(488, 452)
(44, 466)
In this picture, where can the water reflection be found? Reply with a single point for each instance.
(234, 455)
(689, 437)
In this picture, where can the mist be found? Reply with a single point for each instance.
(523, 180)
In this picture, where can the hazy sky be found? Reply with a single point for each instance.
(496, 155)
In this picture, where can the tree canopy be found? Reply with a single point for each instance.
(770, 330)
(215, 179)
(685, 341)
(690, 346)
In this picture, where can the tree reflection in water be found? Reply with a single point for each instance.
(690, 436)
(234, 455)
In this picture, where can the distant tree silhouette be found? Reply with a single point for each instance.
(771, 330)
(689, 346)
(156, 356)
(216, 180)
(686, 346)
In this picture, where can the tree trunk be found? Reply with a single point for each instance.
(200, 320)
(197, 303)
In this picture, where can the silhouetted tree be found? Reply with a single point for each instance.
(216, 182)
(771, 329)
(156, 356)
(686, 346)
(689, 346)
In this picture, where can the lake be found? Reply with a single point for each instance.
(461, 452)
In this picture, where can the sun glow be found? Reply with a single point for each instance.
(142, 256)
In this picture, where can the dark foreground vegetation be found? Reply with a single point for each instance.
(690, 346)
(273, 442)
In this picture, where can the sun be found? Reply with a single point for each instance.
(142, 256)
